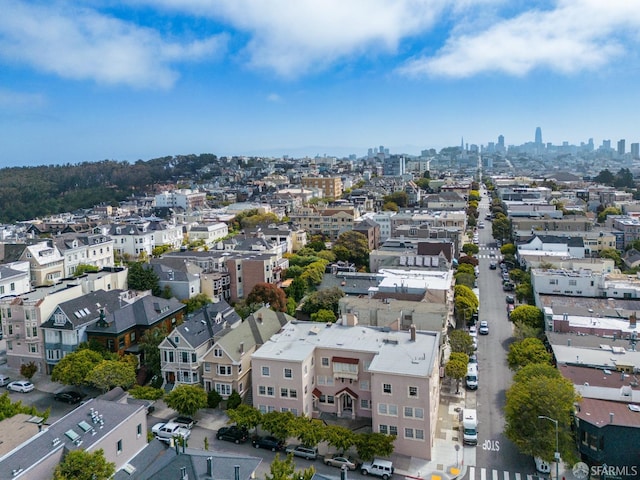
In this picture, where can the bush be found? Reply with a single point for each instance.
(234, 400)
(213, 399)
(146, 393)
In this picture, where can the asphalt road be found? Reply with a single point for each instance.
(494, 450)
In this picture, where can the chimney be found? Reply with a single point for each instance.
(259, 317)
(352, 320)
(210, 467)
(632, 320)
(241, 347)
(412, 331)
(236, 472)
(611, 417)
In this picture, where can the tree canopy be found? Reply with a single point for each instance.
(196, 302)
(461, 341)
(353, 247)
(528, 315)
(141, 277)
(112, 373)
(268, 293)
(286, 470)
(73, 368)
(82, 465)
(527, 351)
(325, 299)
(186, 399)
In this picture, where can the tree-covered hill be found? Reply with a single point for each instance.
(30, 192)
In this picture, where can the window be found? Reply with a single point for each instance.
(408, 412)
(413, 392)
(393, 430)
(386, 388)
(288, 373)
(217, 352)
(33, 348)
(120, 343)
(419, 434)
(224, 370)
(262, 390)
(365, 403)
(223, 389)
(293, 393)
(364, 385)
(572, 283)
(408, 433)
(119, 447)
(176, 340)
(207, 367)
(418, 412)
(284, 392)
(265, 371)
(184, 357)
(331, 399)
(270, 392)
(132, 337)
(393, 410)
(382, 409)
(139, 430)
(383, 429)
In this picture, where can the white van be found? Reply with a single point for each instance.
(471, 380)
(379, 467)
(469, 427)
(4, 380)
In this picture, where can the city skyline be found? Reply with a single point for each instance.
(95, 79)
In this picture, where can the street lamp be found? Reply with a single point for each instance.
(557, 453)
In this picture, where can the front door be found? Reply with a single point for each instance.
(347, 403)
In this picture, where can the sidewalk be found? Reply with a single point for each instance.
(447, 462)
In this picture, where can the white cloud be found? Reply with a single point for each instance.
(293, 37)
(80, 43)
(274, 98)
(574, 36)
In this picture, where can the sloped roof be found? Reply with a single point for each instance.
(86, 309)
(207, 323)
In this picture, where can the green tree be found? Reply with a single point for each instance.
(141, 277)
(309, 431)
(82, 465)
(356, 244)
(149, 343)
(399, 198)
(234, 400)
(602, 216)
(501, 227)
(528, 315)
(186, 399)
(146, 393)
(532, 397)
(470, 249)
(461, 341)
(605, 177)
(111, 373)
(613, 254)
(8, 408)
(461, 291)
(245, 416)
(423, 183)
(466, 279)
(508, 249)
(524, 293)
(214, 399)
(474, 196)
(325, 299)
(369, 445)
(268, 293)
(529, 350)
(536, 370)
(73, 368)
(340, 437)
(278, 424)
(459, 356)
(196, 302)
(297, 289)
(390, 207)
(323, 316)
(28, 370)
(465, 268)
(455, 369)
(286, 470)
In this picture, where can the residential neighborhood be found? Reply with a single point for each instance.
(354, 294)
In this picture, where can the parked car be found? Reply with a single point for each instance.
(310, 453)
(510, 299)
(170, 430)
(340, 460)
(21, 386)
(508, 287)
(473, 359)
(68, 397)
(4, 380)
(493, 266)
(234, 433)
(473, 331)
(484, 328)
(156, 428)
(269, 442)
(186, 422)
(379, 467)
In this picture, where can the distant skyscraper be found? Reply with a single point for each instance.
(635, 150)
(538, 135)
(606, 144)
(622, 147)
(501, 140)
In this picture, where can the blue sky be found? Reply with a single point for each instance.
(88, 80)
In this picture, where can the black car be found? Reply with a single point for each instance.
(269, 442)
(69, 397)
(233, 433)
(186, 422)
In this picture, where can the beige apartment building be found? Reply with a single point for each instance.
(331, 186)
(330, 222)
(391, 377)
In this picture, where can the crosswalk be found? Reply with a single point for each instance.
(494, 257)
(475, 473)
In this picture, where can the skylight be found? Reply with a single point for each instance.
(72, 435)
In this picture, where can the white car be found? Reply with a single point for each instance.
(21, 386)
(484, 328)
(156, 428)
(473, 331)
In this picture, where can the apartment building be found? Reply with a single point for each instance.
(330, 222)
(93, 249)
(184, 198)
(208, 233)
(331, 187)
(46, 263)
(354, 371)
(14, 279)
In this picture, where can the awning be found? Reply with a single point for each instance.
(316, 393)
(348, 391)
